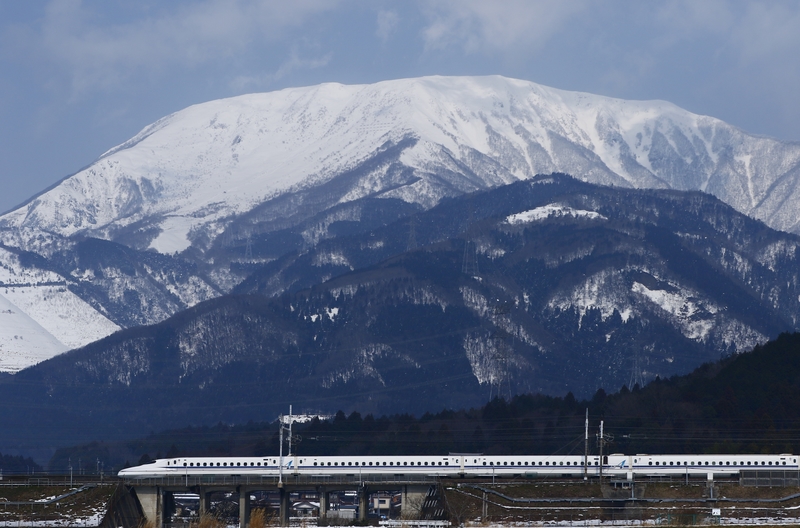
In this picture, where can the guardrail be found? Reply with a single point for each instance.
(770, 478)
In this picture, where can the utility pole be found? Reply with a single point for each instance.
(280, 458)
(290, 430)
(586, 448)
(603, 439)
(601, 452)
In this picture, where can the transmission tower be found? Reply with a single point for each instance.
(502, 350)
(636, 373)
(469, 262)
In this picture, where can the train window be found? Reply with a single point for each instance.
(329, 463)
(384, 463)
(547, 463)
(475, 461)
(670, 463)
(238, 463)
(224, 463)
(567, 463)
(784, 462)
(335, 463)
(656, 463)
(349, 463)
(315, 463)
(184, 464)
(505, 463)
(706, 462)
(651, 463)
(427, 463)
(405, 463)
(447, 463)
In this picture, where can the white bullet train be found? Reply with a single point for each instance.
(464, 465)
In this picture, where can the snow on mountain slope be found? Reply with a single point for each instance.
(191, 171)
(23, 342)
(205, 180)
(41, 318)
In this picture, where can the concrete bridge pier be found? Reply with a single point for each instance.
(150, 498)
(323, 502)
(203, 501)
(413, 498)
(284, 510)
(244, 507)
(363, 502)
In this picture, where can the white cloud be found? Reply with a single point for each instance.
(387, 23)
(98, 56)
(753, 30)
(477, 25)
(294, 63)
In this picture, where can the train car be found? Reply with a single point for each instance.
(466, 465)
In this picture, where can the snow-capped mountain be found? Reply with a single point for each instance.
(230, 185)
(190, 172)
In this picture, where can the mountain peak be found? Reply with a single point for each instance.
(198, 168)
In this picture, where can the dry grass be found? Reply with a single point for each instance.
(207, 520)
(259, 518)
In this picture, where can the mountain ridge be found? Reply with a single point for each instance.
(576, 286)
(206, 185)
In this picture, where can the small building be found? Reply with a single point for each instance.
(305, 509)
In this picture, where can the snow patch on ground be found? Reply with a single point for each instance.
(334, 258)
(594, 293)
(174, 236)
(483, 357)
(551, 211)
(694, 316)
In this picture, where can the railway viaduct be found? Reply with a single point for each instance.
(155, 494)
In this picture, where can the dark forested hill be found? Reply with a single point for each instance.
(746, 403)
(545, 286)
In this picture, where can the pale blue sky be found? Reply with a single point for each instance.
(77, 78)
